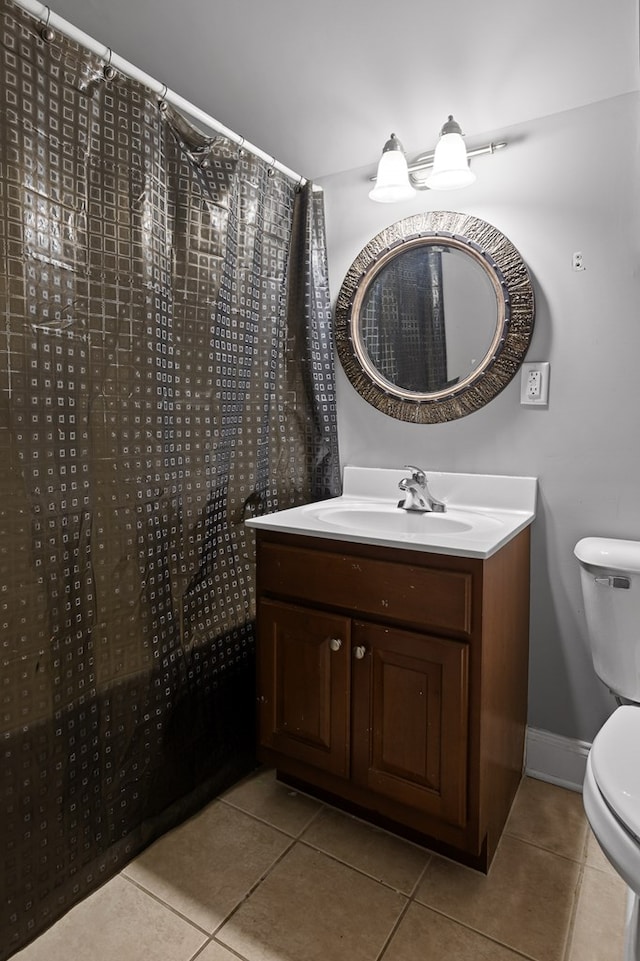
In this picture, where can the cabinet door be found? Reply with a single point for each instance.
(303, 684)
(409, 737)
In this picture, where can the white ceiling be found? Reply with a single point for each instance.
(321, 86)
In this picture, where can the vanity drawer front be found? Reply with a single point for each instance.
(428, 596)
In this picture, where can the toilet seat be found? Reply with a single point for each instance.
(615, 762)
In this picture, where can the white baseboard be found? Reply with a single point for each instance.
(559, 760)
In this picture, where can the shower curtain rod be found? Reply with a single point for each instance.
(50, 19)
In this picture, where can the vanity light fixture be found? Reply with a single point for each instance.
(396, 180)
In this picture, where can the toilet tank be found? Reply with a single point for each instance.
(610, 578)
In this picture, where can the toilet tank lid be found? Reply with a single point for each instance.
(609, 553)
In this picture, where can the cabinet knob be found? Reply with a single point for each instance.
(335, 643)
(359, 652)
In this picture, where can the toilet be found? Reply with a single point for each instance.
(610, 578)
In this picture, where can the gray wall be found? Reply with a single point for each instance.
(566, 183)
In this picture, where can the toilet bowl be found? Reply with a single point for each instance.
(610, 579)
(611, 797)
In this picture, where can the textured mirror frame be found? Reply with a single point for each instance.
(515, 316)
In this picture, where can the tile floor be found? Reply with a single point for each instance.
(267, 874)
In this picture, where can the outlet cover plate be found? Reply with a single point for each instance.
(542, 398)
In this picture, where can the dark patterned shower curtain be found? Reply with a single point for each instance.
(165, 371)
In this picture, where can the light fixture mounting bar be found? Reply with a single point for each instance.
(425, 161)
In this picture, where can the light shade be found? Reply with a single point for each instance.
(450, 162)
(392, 179)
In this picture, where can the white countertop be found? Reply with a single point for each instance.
(486, 510)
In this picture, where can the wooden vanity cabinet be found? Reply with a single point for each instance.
(394, 683)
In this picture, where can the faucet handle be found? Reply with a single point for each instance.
(417, 473)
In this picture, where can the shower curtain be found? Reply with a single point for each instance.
(165, 372)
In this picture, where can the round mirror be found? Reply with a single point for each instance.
(434, 317)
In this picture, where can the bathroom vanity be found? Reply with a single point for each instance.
(392, 657)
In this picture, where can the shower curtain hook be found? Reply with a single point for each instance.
(299, 184)
(47, 32)
(271, 171)
(109, 71)
(162, 103)
(241, 147)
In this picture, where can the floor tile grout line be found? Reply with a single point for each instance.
(574, 915)
(226, 947)
(416, 886)
(585, 846)
(263, 820)
(255, 817)
(468, 927)
(165, 904)
(376, 827)
(300, 837)
(211, 935)
(212, 940)
(195, 956)
(252, 889)
(352, 867)
(393, 931)
(326, 806)
(306, 844)
(483, 934)
(542, 847)
(410, 901)
(316, 816)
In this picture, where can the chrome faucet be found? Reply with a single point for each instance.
(418, 497)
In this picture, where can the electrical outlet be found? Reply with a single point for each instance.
(534, 384)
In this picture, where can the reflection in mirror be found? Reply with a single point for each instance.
(434, 317)
(428, 317)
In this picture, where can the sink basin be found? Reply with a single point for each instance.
(394, 520)
(484, 511)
